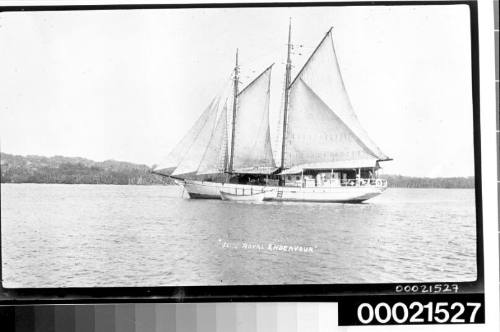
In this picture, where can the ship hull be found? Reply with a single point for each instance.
(343, 194)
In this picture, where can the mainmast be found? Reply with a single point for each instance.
(235, 101)
(287, 88)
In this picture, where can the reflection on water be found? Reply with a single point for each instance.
(105, 235)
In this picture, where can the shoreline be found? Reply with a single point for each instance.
(174, 185)
(76, 170)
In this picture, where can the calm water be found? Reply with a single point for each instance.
(104, 235)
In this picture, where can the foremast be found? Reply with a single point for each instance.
(235, 104)
(288, 78)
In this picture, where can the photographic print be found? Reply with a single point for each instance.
(243, 146)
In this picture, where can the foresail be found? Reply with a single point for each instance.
(194, 156)
(215, 157)
(174, 158)
(321, 124)
(252, 146)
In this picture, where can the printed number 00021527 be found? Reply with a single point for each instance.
(431, 288)
(418, 313)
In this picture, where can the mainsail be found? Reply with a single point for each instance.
(322, 127)
(252, 146)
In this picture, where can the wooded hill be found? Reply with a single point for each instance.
(75, 170)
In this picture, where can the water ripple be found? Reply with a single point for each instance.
(96, 235)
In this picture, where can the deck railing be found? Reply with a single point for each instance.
(309, 183)
(364, 182)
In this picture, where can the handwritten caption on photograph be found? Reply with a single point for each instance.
(269, 246)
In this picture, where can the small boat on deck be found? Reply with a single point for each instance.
(257, 197)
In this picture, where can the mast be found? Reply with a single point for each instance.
(235, 101)
(287, 88)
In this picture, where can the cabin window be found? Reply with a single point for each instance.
(289, 177)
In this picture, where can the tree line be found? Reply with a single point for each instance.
(67, 170)
(400, 181)
(75, 170)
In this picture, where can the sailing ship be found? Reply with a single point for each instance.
(326, 155)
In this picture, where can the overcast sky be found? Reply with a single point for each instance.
(128, 84)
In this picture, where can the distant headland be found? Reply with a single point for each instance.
(76, 170)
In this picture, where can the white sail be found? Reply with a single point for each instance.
(322, 133)
(193, 158)
(252, 142)
(321, 123)
(215, 157)
(175, 157)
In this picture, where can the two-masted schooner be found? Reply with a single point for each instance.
(326, 156)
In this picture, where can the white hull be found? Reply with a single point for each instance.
(354, 194)
(259, 197)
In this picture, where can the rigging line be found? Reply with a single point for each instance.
(167, 176)
(255, 79)
(262, 57)
(311, 56)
